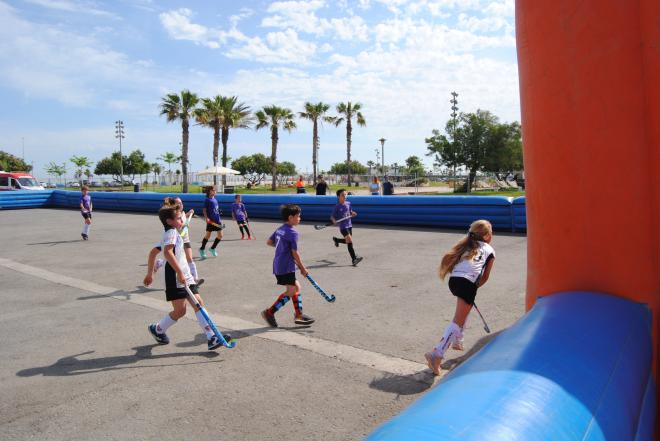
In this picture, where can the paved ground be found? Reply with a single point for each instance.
(78, 362)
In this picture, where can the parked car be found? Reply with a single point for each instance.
(18, 181)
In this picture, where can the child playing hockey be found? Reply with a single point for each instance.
(86, 211)
(213, 223)
(343, 210)
(239, 213)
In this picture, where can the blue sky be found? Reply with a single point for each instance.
(70, 68)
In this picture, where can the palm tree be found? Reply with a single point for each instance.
(314, 113)
(80, 162)
(274, 116)
(169, 158)
(155, 167)
(181, 107)
(222, 113)
(370, 164)
(349, 110)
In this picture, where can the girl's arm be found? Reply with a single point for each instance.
(206, 218)
(168, 252)
(270, 243)
(486, 274)
(296, 257)
(91, 206)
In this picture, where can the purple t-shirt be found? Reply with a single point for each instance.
(239, 211)
(341, 211)
(212, 209)
(85, 201)
(286, 240)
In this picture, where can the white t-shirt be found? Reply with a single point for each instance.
(172, 237)
(472, 269)
(184, 230)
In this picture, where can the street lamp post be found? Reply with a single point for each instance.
(382, 156)
(377, 159)
(119, 133)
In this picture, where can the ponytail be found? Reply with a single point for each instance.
(466, 248)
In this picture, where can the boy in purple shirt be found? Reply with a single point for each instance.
(342, 210)
(285, 241)
(86, 211)
(239, 213)
(212, 216)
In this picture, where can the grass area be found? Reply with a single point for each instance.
(512, 193)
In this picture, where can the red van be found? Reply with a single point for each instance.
(18, 181)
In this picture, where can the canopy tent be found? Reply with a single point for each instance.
(218, 170)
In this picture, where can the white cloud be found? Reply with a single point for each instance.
(278, 48)
(179, 27)
(77, 7)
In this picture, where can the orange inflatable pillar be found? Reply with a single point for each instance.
(590, 100)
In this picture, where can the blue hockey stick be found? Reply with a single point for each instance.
(225, 343)
(329, 297)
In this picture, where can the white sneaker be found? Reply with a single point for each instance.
(159, 264)
(458, 345)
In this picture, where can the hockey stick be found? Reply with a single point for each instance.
(329, 297)
(184, 229)
(221, 226)
(329, 224)
(225, 343)
(486, 328)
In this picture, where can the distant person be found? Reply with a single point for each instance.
(374, 187)
(300, 185)
(321, 187)
(211, 212)
(388, 187)
(287, 257)
(86, 211)
(343, 212)
(239, 213)
(468, 264)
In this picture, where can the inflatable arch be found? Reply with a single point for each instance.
(581, 364)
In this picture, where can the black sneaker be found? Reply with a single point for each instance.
(214, 343)
(270, 318)
(336, 241)
(84, 236)
(200, 282)
(357, 260)
(162, 339)
(303, 320)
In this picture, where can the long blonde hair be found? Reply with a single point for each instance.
(466, 247)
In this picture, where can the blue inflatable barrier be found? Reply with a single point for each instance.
(575, 367)
(422, 211)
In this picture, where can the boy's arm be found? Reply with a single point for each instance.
(151, 260)
(270, 242)
(168, 252)
(206, 218)
(486, 274)
(90, 205)
(298, 260)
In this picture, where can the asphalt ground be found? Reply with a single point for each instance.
(78, 362)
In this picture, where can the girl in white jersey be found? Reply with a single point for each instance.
(469, 263)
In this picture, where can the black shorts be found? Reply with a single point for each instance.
(174, 293)
(241, 223)
(286, 279)
(211, 227)
(346, 231)
(463, 288)
(187, 245)
(86, 215)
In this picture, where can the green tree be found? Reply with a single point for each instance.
(56, 170)
(137, 165)
(274, 117)
(81, 162)
(371, 164)
(9, 162)
(222, 113)
(157, 170)
(316, 114)
(181, 108)
(169, 158)
(341, 168)
(349, 111)
(284, 170)
(480, 143)
(414, 166)
(112, 166)
(254, 168)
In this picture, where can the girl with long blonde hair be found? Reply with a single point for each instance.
(468, 264)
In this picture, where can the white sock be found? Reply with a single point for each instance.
(447, 339)
(85, 229)
(164, 324)
(193, 270)
(202, 324)
(159, 264)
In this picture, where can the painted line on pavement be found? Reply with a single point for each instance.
(381, 362)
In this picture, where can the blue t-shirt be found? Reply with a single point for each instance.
(286, 240)
(239, 211)
(85, 201)
(212, 209)
(341, 211)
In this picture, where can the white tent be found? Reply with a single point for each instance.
(218, 170)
